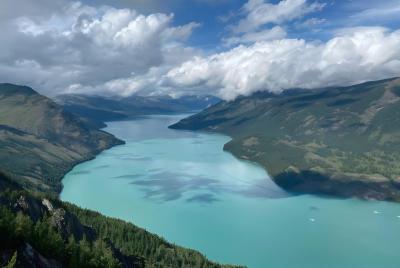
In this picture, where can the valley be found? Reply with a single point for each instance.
(340, 141)
(199, 134)
(39, 143)
(182, 186)
(185, 186)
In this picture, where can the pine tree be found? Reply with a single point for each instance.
(23, 225)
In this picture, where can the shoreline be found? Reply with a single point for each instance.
(316, 183)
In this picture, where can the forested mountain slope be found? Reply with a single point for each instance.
(39, 231)
(40, 142)
(343, 141)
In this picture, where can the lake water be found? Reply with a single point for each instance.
(184, 187)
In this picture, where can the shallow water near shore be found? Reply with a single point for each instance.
(182, 186)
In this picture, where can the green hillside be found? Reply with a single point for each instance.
(343, 141)
(39, 231)
(40, 142)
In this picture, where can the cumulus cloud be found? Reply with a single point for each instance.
(77, 46)
(353, 55)
(260, 12)
(60, 46)
(262, 21)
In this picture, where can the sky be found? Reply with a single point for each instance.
(226, 48)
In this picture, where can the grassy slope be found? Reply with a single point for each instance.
(40, 142)
(342, 141)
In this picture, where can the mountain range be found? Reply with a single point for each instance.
(100, 109)
(342, 141)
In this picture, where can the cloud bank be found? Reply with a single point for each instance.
(354, 55)
(83, 48)
(58, 46)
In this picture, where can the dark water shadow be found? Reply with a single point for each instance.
(169, 186)
(203, 198)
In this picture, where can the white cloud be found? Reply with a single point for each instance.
(276, 32)
(311, 23)
(354, 55)
(259, 13)
(83, 47)
(384, 11)
(57, 46)
(260, 16)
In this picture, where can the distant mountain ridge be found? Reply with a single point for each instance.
(101, 109)
(343, 141)
(40, 141)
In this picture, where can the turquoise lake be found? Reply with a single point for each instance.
(182, 186)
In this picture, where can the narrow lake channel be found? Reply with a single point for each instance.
(182, 186)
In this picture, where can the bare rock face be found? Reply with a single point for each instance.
(58, 218)
(22, 203)
(48, 205)
(29, 206)
(66, 223)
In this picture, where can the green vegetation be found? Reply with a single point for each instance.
(68, 236)
(17, 228)
(132, 240)
(343, 141)
(40, 142)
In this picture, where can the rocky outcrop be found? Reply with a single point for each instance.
(63, 222)
(66, 223)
